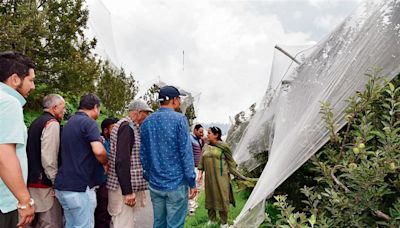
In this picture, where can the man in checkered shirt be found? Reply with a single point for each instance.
(127, 188)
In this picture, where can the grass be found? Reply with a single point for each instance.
(200, 218)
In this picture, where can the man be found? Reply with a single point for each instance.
(42, 151)
(81, 152)
(167, 160)
(17, 76)
(197, 146)
(125, 179)
(102, 218)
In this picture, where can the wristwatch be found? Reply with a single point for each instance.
(24, 206)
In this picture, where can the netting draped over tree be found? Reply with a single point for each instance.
(289, 121)
(258, 140)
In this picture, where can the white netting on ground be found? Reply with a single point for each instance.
(289, 125)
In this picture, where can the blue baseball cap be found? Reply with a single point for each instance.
(169, 92)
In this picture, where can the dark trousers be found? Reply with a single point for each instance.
(212, 216)
(101, 216)
(9, 219)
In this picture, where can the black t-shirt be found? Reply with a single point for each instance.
(79, 165)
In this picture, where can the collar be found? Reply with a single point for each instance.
(194, 136)
(4, 87)
(164, 109)
(81, 113)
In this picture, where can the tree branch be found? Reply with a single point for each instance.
(346, 190)
(381, 215)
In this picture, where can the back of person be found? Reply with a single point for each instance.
(167, 160)
(164, 127)
(82, 152)
(79, 165)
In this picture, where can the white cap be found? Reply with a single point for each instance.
(139, 105)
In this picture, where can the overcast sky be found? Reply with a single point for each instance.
(228, 45)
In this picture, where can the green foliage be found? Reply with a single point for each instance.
(116, 90)
(52, 33)
(29, 117)
(237, 129)
(151, 98)
(190, 114)
(357, 172)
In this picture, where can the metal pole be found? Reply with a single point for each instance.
(287, 54)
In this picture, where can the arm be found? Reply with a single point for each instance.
(186, 153)
(123, 158)
(92, 135)
(200, 167)
(50, 142)
(231, 163)
(11, 174)
(99, 151)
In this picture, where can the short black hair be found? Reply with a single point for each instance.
(12, 62)
(89, 101)
(197, 126)
(216, 131)
(107, 122)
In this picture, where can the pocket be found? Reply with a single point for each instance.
(181, 194)
(72, 200)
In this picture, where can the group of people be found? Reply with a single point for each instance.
(143, 170)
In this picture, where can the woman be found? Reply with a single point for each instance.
(217, 163)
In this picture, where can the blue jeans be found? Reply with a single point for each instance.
(78, 207)
(169, 208)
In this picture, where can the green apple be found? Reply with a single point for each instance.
(361, 146)
(392, 166)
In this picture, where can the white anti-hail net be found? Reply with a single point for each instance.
(333, 72)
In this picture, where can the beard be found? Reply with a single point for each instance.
(19, 89)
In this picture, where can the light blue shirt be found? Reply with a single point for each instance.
(13, 131)
(166, 150)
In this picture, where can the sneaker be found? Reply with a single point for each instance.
(225, 225)
(210, 223)
(191, 213)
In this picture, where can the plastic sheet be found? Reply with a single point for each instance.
(259, 131)
(333, 72)
(100, 27)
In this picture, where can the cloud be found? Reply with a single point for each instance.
(330, 3)
(297, 15)
(228, 48)
(328, 22)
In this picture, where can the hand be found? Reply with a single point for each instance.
(192, 193)
(26, 215)
(52, 193)
(106, 167)
(200, 177)
(130, 199)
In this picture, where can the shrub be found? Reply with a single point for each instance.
(357, 181)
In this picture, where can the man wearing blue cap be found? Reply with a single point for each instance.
(167, 160)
